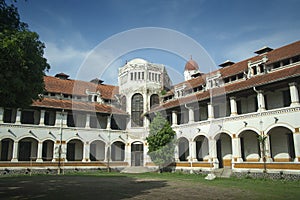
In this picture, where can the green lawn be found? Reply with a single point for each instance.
(114, 185)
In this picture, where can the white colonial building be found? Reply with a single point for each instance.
(218, 118)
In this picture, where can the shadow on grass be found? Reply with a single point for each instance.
(75, 187)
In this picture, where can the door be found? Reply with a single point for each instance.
(137, 154)
(219, 153)
(71, 152)
(4, 150)
(24, 151)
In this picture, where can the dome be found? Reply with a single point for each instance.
(138, 61)
(191, 65)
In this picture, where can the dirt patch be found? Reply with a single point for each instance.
(111, 187)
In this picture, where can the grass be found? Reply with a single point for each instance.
(166, 185)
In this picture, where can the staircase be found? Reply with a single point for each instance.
(223, 172)
(136, 170)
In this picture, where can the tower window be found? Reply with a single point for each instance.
(137, 108)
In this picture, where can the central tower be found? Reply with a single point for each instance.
(140, 84)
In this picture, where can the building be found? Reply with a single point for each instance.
(218, 118)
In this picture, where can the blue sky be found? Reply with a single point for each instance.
(231, 29)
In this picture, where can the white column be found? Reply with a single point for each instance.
(146, 157)
(296, 137)
(108, 126)
(176, 152)
(174, 118)
(267, 150)
(261, 101)
(61, 118)
(213, 152)
(210, 110)
(87, 122)
(86, 152)
(42, 119)
(55, 151)
(193, 151)
(15, 152)
(107, 154)
(40, 152)
(128, 154)
(236, 149)
(191, 115)
(233, 106)
(1, 114)
(18, 117)
(294, 94)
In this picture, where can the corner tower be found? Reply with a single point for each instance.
(191, 68)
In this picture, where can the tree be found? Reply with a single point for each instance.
(22, 64)
(161, 142)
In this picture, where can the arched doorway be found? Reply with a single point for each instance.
(250, 149)
(137, 154)
(75, 150)
(183, 149)
(27, 149)
(118, 151)
(6, 149)
(202, 150)
(224, 150)
(281, 144)
(47, 153)
(97, 151)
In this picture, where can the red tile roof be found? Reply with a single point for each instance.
(255, 81)
(74, 87)
(76, 105)
(275, 55)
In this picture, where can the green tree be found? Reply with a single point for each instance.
(22, 64)
(161, 142)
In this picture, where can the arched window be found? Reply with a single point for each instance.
(154, 100)
(137, 108)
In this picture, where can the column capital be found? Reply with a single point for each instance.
(232, 98)
(293, 84)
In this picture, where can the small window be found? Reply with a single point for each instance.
(149, 76)
(276, 65)
(135, 76)
(131, 76)
(95, 98)
(142, 75)
(285, 62)
(139, 76)
(254, 70)
(158, 77)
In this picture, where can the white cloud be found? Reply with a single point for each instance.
(65, 59)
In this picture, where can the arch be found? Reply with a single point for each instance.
(183, 149)
(224, 149)
(247, 129)
(47, 151)
(27, 149)
(154, 100)
(6, 147)
(282, 147)
(118, 151)
(97, 150)
(74, 150)
(137, 109)
(250, 147)
(280, 125)
(202, 148)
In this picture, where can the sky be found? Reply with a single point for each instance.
(75, 32)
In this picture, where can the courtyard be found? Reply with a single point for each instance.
(143, 186)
